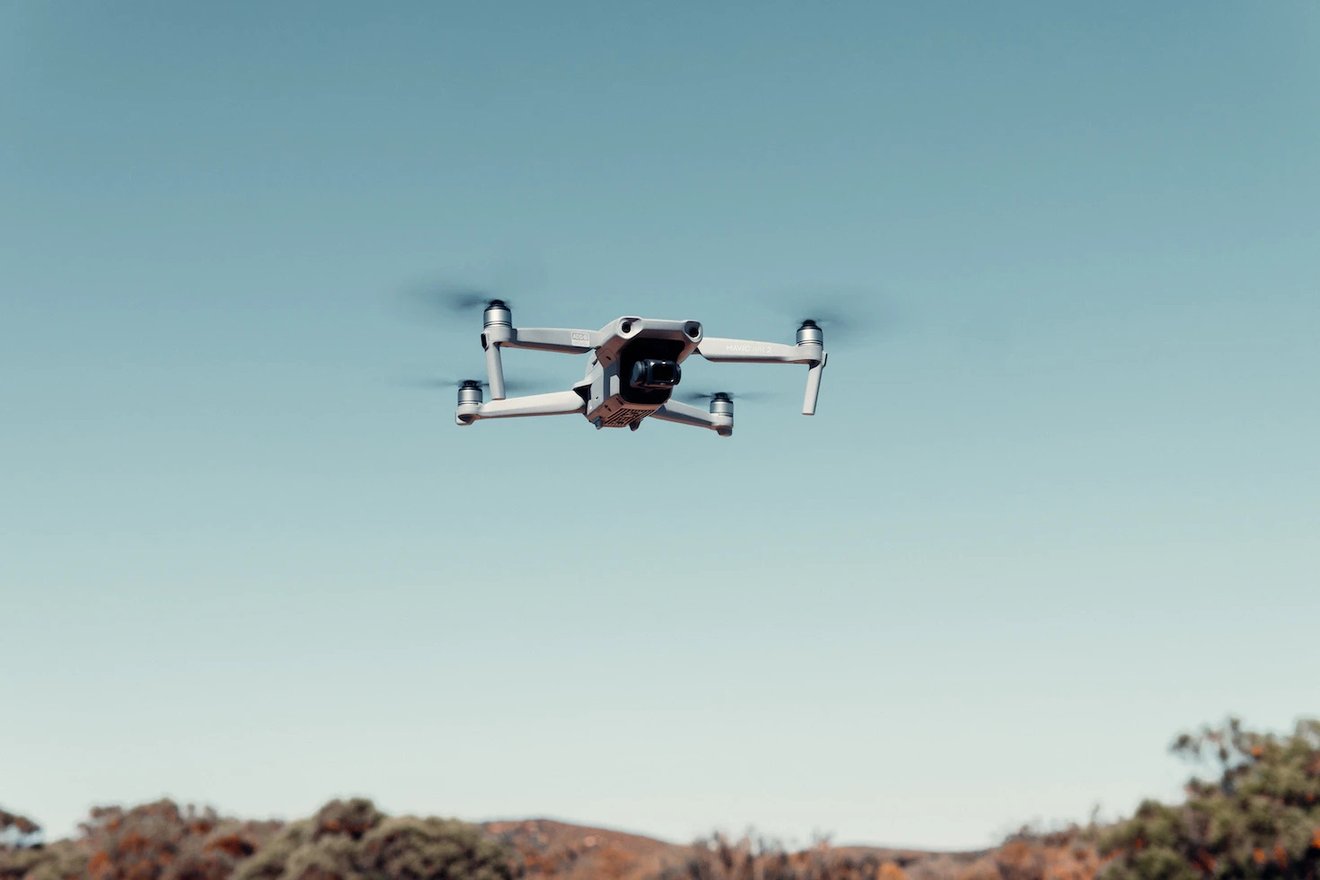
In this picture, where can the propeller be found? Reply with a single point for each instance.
(451, 293)
(695, 396)
(846, 314)
(449, 301)
(510, 385)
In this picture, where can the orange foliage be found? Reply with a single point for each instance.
(98, 866)
(891, 871)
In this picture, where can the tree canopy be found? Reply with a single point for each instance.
(1257, 815)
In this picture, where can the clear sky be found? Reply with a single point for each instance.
(1063, 502)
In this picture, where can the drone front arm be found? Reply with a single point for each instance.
(683, 414)
(556, 403)
(748, 351)
(563, 340)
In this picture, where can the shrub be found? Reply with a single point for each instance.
(352, 840)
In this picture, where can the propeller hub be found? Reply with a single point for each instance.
(721, 404)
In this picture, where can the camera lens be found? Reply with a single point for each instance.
(654, 374)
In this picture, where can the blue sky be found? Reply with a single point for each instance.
(1060, 504)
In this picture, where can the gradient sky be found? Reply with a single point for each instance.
(1063, 502)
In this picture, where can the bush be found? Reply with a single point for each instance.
(345, 840)
(60, 861)
(352, 840)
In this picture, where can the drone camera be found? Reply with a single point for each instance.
(655, 375)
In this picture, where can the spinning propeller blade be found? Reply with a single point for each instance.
(846, 314)
(696, 396)
(449, 296)
(450, 301)
(514, 385)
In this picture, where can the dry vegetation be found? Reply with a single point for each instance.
(1257, 816)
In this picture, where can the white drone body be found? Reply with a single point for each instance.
(632, 370)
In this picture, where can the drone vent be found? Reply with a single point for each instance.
(619, 418)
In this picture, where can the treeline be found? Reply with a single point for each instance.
(1254, 813)
(345, 840)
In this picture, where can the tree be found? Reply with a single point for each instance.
(1257, 816)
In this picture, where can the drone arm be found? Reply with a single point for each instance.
(683, 414)
(747, 351)
(563, 340)
(556, 403)
(501, 335)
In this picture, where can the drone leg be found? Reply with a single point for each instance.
(495, 371)
(813, 387)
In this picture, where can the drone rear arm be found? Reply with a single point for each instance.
(502, 335)
(749, 351)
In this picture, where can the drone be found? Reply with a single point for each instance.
(633, 366)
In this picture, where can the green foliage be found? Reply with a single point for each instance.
(352, 840)
(407, 848)
(1259, 816)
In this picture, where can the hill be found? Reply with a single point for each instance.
(565, 851)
